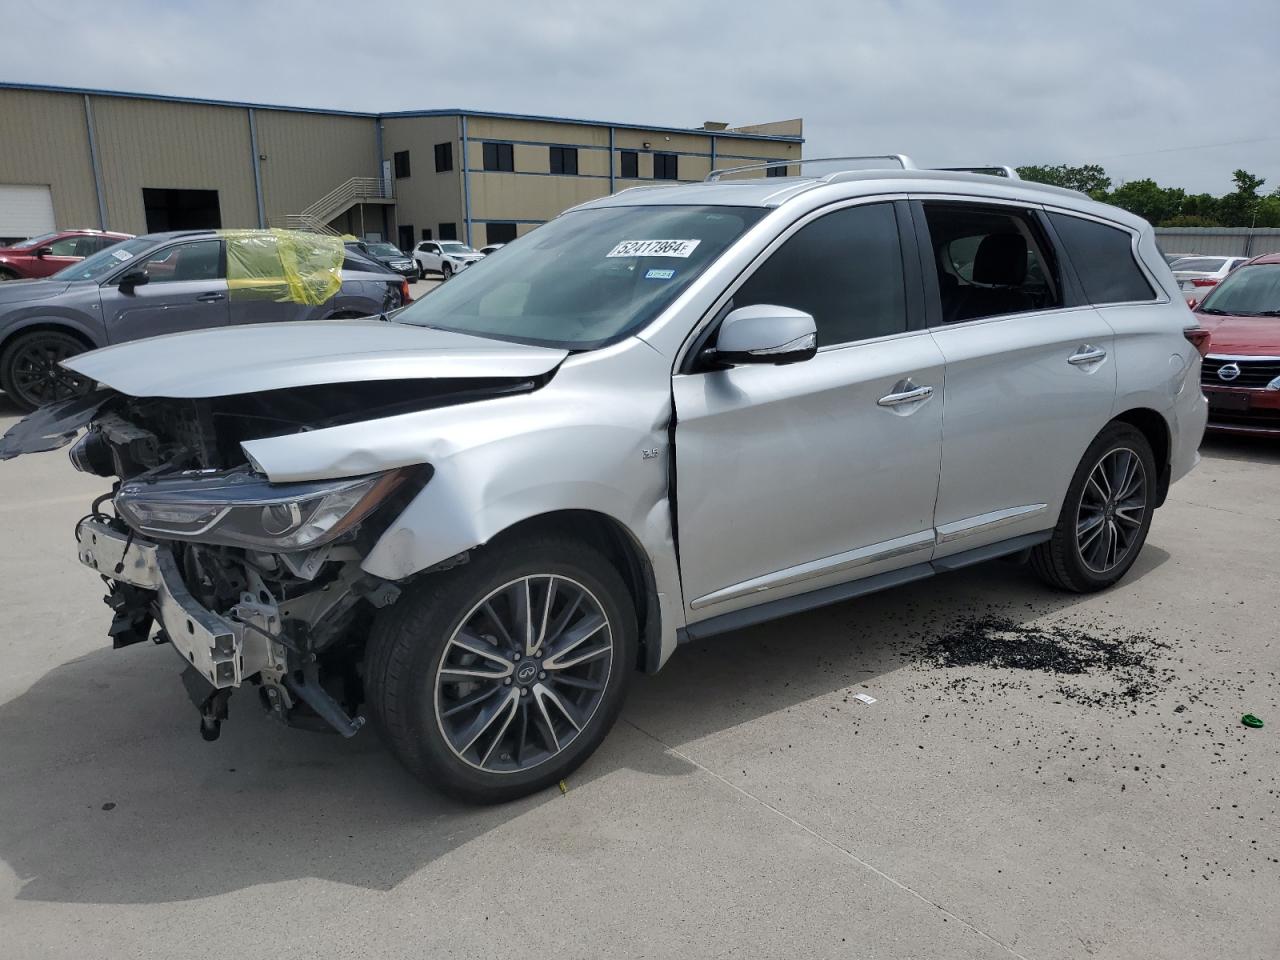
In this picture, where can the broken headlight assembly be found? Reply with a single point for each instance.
(239, 508)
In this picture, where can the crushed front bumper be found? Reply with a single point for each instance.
(224, 651)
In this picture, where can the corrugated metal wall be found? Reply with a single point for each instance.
(44, 140)
(309, 154)
(1219, 241)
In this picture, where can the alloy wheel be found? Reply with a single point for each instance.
(524, 673)
(1112, 508)
(37, 377)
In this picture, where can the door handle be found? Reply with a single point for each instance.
(1085, 354)
(211, 297)
(905, 392)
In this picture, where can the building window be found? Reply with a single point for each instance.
(498, 156)
(448, 231)
(401, 159)
(426, 233)
(444, 157)
(564, 160)
(405, 236)
(499, 232)
(780, 171)
(630, 166)
(665, 167)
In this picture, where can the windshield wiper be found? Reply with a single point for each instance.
(1215, 311)
(1267, 313)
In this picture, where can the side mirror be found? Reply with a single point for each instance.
(134, 278)
(764, 333)
(1192, 302)
(44, 252)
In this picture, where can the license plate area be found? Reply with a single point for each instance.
(1234, 402)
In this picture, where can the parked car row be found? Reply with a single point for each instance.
(48, 253)
(145, 286)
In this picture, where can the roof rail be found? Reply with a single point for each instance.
(996, 171)
(901, 159)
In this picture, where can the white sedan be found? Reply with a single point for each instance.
(1196, 276)
(445, 257)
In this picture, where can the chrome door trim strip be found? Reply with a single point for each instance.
(862, 556)
(958, 529)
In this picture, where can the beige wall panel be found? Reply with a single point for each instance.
(145, 143)
(498, 128)
(44, 139)
(309, 154)
(735, 148)
(510, 196)
(679, 142)
(526, 159)
(593, 163)
(426, 199)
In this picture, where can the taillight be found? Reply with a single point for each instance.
(404, 292)
(1199, 338)
(1204, 282)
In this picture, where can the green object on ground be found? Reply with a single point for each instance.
(1249, 720)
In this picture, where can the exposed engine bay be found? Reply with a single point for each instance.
(252, 582)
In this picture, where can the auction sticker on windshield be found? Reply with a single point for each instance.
(654, 248)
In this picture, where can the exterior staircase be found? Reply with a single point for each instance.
(336, 202)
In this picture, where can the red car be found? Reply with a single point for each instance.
(48, 253)
(1241, 371)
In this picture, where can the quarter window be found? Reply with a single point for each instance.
(499, 156)
(401, 161)
(629, 164)
(844, 268)
(665, 166)
(1103, 259)
(564, 160)
(990, 261)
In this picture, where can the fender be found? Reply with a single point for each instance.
(568, 446)
(50, 317)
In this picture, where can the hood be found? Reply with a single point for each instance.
(1242, 336)
(273, 356)
(20, 291)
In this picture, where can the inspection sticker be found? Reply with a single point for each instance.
(659, 274)
(122, 255)
(654, 248)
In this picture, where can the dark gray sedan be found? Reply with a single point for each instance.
(151, 285)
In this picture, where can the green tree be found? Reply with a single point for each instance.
(1149, 200)
(1088, 178)
(1241, 207)
(1203, 207)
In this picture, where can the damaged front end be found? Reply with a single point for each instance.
(252, 582)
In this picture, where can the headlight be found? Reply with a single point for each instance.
(240, 509)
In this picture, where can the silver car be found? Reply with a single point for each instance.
(147, 286)
(665, 415)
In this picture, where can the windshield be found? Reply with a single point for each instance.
(1249, 291)
(586, 278)
(34, 241)
(455, 246)
(104, 261)
(384, 250)
(1199, 264)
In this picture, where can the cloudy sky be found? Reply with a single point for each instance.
(1181, 91)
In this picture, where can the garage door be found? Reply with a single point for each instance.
(26, 210)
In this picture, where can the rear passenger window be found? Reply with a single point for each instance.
(1103, 258)
(991, 261)
(844, 268)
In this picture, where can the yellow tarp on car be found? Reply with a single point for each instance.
(283, 265)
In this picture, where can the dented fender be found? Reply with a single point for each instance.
(497, 462)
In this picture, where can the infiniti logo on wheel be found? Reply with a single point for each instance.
(527, 672)
(1228, 371)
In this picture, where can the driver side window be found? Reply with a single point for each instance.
(199, 260)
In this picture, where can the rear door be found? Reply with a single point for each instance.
(794, 478)
(1030, 372)
(186, 289)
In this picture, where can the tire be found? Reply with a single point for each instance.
(8, 275)
(1101, 530)
(446, 271)
(422, 272)
(29, 373)
(430, 684)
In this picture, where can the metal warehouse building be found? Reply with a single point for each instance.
(140, 163)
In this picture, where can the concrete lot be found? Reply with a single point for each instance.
(746, 805)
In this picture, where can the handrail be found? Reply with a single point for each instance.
(905, 162)
(356, 188)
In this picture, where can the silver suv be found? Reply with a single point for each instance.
(664, 415)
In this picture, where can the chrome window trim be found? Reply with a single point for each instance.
(709, 315)
(1000, 317)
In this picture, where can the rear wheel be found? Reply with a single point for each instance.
(1106, 515)
(499, 678)
(30, 373)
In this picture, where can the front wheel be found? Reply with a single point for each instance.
(446, 271)
(30, 371)
(498, 678)
(1106, 514)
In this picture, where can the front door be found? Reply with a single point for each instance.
(794, 478)
(186, 289)
(1030, 375)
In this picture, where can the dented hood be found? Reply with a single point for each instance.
(272, 356)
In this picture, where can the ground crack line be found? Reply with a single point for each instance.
(823, 839)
